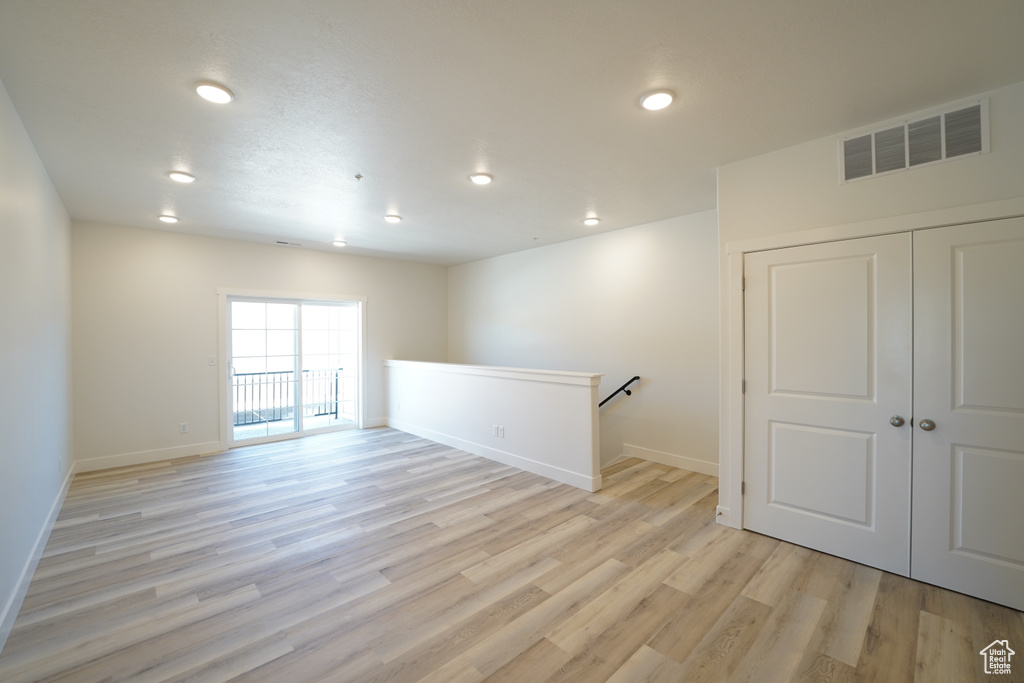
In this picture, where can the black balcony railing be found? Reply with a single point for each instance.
(270, 396)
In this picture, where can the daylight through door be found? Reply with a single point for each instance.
(293, 367)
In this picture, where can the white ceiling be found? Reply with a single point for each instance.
(415, 95)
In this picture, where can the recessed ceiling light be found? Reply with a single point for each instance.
(214, 92)
(591, 220)
(181, 177)
(168, 218)
(339, 243)
(657, 99)
(393, 218)
(481, 178)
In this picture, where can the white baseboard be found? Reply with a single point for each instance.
(724, 517)
(144, 457)
(615, 460)
(580, 481)
(13, 606)
(371, 423)
(670, 459)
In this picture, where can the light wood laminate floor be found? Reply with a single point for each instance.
(378, 556)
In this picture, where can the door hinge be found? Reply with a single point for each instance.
(743, 487)
(743, 386)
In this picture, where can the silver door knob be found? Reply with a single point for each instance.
(927, 425)
(897, 421)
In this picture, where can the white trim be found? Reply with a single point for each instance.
(288, 436)
(374, 422)
(973, 213)
(530, 375)
(13, 606)
(730, 452)
(294, 296)
(361, 365)
(671, 459)
(145, 457)
(579, 480)
(224, 367)
(619, 458)
(730, 476)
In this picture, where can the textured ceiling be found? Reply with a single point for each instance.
(416, 95)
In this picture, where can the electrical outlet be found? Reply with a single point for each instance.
(494, 430)
(213, 361)
(183, 428)
(501, 432)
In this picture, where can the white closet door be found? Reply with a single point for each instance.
(969, 381)
(828, 363)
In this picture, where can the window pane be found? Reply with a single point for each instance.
(316, 362)
(314, 342)
(245, 366)
(248, 343)
(315, 317)
(281, 364)
(281, 342)
(248, 316)
(281, 316)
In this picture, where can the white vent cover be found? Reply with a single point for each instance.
(957, 131)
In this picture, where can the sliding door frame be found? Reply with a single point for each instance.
(224, 357)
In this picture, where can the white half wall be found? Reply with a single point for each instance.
(638, 301)
(145, 324)
(35, 360)
(548, 420)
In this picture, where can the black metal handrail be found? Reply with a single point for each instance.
(622, 389)
(270, 396)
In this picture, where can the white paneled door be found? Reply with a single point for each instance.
(828, 366)
(884, 411)
(969, 355)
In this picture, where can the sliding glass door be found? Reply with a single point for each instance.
(329, 346)
(293, 367)
(264, 360)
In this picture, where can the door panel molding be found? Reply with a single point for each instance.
(824, 468)
(969, 470)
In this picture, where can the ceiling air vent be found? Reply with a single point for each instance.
(917, 140)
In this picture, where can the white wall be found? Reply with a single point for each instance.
(798, 188)
(35, 414)
(546, 421)
(793, 196)
(145, 322)
(639, 301)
